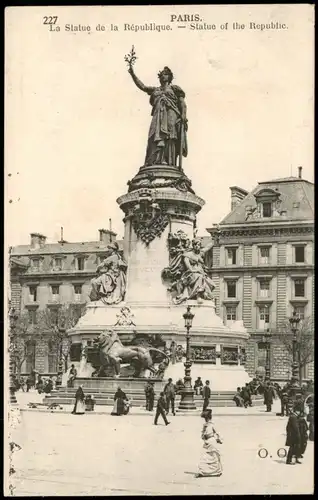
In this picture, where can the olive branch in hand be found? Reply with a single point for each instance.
(131, 57)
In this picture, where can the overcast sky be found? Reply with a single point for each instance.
(76, 126)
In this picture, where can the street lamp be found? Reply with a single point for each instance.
(267, 342)
(187, 400)
(293, 321)
(60, 368)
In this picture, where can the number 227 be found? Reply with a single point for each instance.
(49, 19)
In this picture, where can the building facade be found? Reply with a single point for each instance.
(49, 275)
(263, 266)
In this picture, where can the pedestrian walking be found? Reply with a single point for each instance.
(210, 462)
(268, 396)
(293, 438)
(79, 408)
(28, 383)
(150, 395)
(206, 394)
(121, 404)
(283, 401)
(169, 391)
(161, 409)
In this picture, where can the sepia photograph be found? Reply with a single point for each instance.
(159, 250)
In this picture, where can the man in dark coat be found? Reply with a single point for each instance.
(169, 391)
(246, 396)
(150, 396)
(268, 396)
(161, 409)
(206, 394)
(303, 430)
(293, 438)
(283, 395)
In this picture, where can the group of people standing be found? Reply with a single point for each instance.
(170, 392)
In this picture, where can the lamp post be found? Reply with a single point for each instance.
(60, 369)
(293, 321)
(267, 342)
(187, 400)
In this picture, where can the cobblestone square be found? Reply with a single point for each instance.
(64, 454)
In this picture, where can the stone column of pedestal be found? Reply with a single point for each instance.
(168, 210)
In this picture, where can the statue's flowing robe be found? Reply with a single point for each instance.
(164, 138)
(194, 282)
(110, 286)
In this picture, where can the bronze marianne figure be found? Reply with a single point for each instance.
(167, 138)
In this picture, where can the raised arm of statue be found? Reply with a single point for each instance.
(138, 82)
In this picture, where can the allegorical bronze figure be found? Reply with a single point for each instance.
(167, 138)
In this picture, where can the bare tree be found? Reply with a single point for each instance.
(21, 337)
(55, 323)
(305, 341)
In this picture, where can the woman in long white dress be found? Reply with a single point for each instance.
(210, 461)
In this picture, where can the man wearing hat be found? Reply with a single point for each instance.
(170, 391)
(110, 284)
(206, 394)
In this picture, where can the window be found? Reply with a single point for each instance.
(78, 292)
(231, 256)
(54, 313)
(52, 357)
(264, 288)
(263, 317)
(30, 356)
(230, 315)
(300, 311)
(35, 264)
(80, 263)
(300, 254)
(32, 316)
(300, 288)
(32, 293)
(231, 289)
(55, 292)
(57, 264)
(264, 255)
(267, 209)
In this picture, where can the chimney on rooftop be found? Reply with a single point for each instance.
(106, 236)
(37, 240)
(299, 172)
(237, 196)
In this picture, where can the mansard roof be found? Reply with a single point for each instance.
(297, 202)
(63, 248)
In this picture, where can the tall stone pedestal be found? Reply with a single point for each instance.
(160, 201)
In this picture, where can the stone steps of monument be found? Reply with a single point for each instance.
(136, 395)
(135, 403)
(139, 400)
